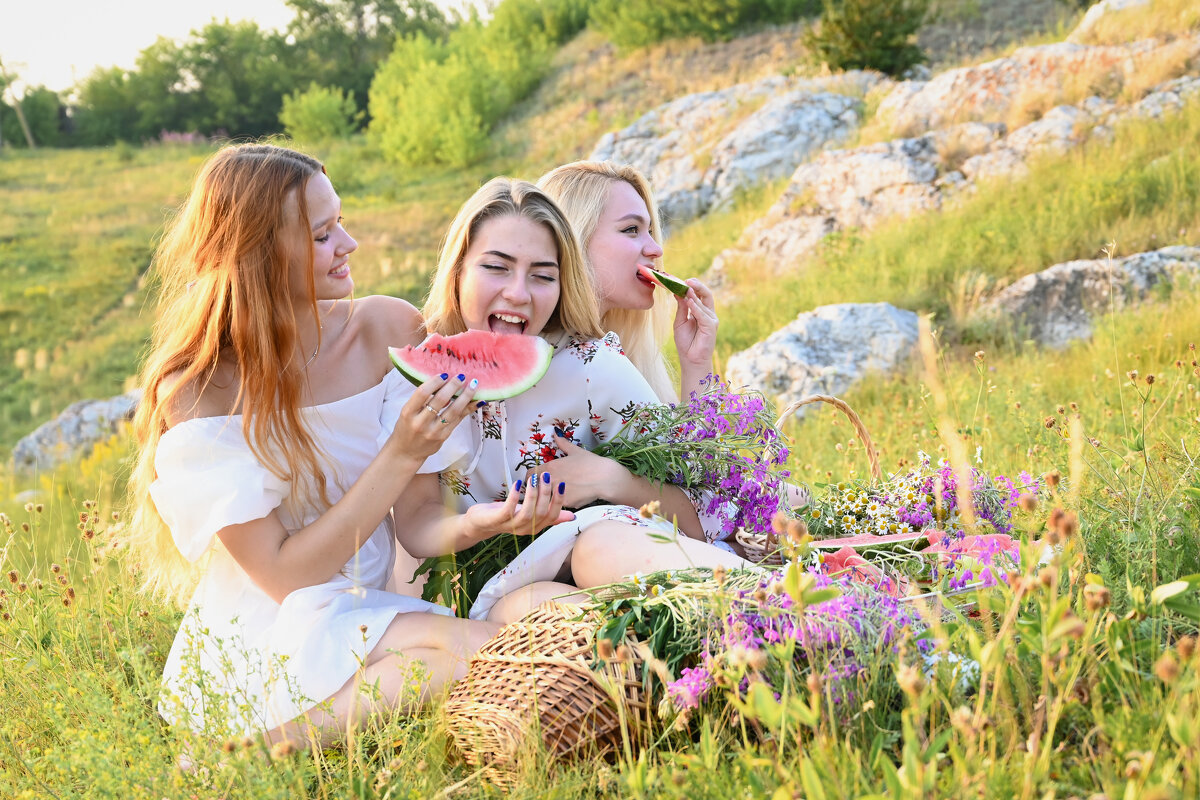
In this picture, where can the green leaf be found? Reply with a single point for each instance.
(810, 780)
(1168, 590)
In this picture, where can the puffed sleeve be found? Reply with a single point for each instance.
(208, 479)
(458, 448)
(615, 388)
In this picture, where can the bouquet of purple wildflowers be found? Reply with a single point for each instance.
(719, 446)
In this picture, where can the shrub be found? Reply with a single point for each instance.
(869, 34)
(437, 101)
(319, 114)
(636, 23)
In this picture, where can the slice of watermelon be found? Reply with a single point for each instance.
(871, 541)
(504, 364)
(664, 279)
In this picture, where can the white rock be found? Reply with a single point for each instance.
(74, 432)
(826, 351)
(1097, 12)
(1058, 305)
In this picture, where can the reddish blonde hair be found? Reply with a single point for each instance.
(224, 270)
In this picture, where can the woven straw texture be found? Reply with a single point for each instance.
(541, 676)
(763, 548)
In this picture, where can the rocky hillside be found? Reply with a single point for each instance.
(825, 156)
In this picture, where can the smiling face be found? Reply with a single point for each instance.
(510, 277)
(331, 245)
(623, 241)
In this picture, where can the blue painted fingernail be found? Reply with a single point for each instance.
(474, 382)
(545, 477)
(560, 432)
(445, 375)
(481, 404)
(533, 479)
(562, 487)
(462, 377)
(517, 486)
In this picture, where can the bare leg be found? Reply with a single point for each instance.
(440, 646)
(610, 551)
(516, 604)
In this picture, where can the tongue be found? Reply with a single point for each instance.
(497, 325)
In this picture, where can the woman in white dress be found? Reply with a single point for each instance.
(512, 264)
(274, 440)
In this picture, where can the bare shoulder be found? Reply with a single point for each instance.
(186, 399)
(389, 321)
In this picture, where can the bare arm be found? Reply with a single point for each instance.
(695, 332)
(590, 477)
(280, 563)
(425, 529)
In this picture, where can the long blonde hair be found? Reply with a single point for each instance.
(578, 311)
(224, 268)
(582, 189)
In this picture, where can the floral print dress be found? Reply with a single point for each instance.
(590, 390)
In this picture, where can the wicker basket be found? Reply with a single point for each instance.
(540, 676)
(763, 548)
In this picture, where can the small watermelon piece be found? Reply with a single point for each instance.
(505, 364)
(664, 279)
(871, 541)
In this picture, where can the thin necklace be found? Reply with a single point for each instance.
(316, 349)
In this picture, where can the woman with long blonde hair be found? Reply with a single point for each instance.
(511, 263)
(274, 439)
(612, 209)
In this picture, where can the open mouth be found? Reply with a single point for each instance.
(506, 323)
(644, 276)
(340, 272)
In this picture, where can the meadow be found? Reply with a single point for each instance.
(1087, 681)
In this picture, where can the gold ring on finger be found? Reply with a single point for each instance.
(431, 410)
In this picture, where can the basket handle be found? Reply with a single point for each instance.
(859, 428)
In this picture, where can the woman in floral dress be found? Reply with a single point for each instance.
(511, 264)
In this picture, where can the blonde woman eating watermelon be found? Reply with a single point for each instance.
(511, 264)
(274, 438)
(612, 209)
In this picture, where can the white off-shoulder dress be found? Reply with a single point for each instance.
(241, 662)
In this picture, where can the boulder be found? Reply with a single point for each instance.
(700, 150)
(826, 351)
(1058, 305)
(74, 432)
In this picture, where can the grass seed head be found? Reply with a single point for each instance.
(605, 649)
(910, 680)
(1186, 647)
(1027, 502)
(797, 530)
(1096, 597)
(1166, 668)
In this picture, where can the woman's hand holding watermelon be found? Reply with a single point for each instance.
(526, 512)
(431, 414)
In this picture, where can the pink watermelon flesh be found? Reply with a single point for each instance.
(504, 364)
(664, 279)
(870, 541)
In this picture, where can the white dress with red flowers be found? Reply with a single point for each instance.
(242, 662)
(590, 390)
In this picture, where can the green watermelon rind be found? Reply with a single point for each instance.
(870, 541)
(668, 281)
(545, 351)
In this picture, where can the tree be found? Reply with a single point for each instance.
(107, 109)
(869, 34)
(319, 114)
(343, 42)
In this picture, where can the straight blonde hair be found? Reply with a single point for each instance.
(582, 189)
(577, 312)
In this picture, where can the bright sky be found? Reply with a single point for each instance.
(58, 42)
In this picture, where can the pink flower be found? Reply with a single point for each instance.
(848, 563)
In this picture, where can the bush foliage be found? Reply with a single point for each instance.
(636, 23)
(319, 114)
(869, 34)
(436, 101)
